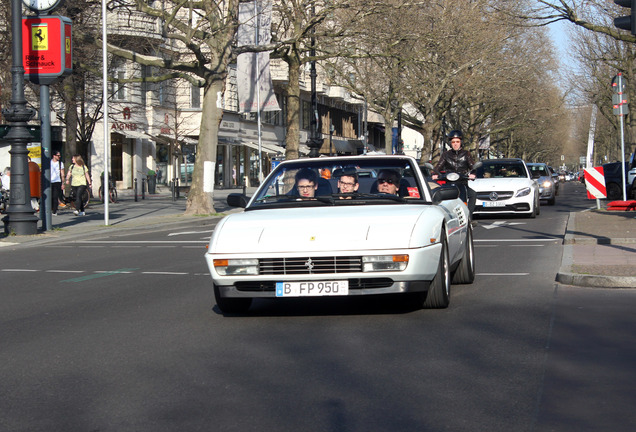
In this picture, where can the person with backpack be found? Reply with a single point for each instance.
(79, 179)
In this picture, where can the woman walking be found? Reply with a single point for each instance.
(79, 179)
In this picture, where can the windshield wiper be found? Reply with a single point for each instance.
(378, 196)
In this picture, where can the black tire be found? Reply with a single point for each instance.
(614, 192)
(112, 194)
(101, 194)
(438, 295)
(465, 271)
(231, 305)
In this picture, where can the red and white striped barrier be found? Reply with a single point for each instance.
(595, 182)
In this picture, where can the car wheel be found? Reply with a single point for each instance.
(438, 295)
(614, 191)
(533, 211)
(231, 305)
(465, 271)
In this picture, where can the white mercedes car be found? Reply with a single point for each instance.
(317, 228)
(505, 186)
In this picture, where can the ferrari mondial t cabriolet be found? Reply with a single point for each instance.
(343, 226)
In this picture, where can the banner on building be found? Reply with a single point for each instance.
(252, 71)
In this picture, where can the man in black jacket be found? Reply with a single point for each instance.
(459, 161)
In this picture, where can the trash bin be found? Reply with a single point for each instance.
(34, 179)
(152, 182)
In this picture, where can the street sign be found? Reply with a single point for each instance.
(46, 48)
(595, 182)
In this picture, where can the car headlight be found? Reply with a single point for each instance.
(547, 184)
(233, 267)
(379, 263)
(523, 192)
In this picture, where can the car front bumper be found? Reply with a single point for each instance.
(420, 271)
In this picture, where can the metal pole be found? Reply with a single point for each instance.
(20, 219)
(105, 103)
(45, 131)
(314, 142)
(623, 154)
(258, 95)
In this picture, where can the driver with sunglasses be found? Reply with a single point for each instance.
(388, 181)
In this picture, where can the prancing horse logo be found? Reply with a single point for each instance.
(309, 264)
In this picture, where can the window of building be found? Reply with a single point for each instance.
(118, 90)
(195, 96)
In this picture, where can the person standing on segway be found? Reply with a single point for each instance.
(459, 161)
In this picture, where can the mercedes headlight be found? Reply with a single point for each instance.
(523, 192)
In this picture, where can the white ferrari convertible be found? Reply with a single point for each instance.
(342, 226)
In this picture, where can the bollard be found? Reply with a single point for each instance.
(172, 189)
(176, 187)
(135, 187)
(143, 188)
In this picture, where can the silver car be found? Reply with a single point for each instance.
(547, 183)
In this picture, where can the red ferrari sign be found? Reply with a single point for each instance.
(46, 48)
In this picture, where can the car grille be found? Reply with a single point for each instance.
(309, 265)
(354, 284)
(485, 196)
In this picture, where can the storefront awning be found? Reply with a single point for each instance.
(132, 134)
(268, 148)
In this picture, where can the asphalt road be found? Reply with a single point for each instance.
(120, 333)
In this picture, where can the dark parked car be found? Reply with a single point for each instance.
(613, 180)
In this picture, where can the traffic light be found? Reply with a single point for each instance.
(627, 22)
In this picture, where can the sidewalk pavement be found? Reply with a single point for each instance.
(599, 247)
(157, 210)
(600, 250)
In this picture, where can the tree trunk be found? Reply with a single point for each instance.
(200, 202)
(292, 140)
(70, 115)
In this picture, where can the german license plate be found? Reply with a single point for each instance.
(312, 289)
(494, 204)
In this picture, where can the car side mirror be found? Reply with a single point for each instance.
(237, 200)
(445, 193)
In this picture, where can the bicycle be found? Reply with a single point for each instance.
(112, 192)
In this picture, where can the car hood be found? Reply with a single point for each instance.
(320, 229)
(500, 184)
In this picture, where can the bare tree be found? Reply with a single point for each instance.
(201, 36)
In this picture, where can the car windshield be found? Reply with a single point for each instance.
(342, 181)
(501, 169)
(538, 171)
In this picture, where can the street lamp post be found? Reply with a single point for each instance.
(20, 219)
(314, 142)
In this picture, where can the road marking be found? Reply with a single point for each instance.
(163, 273)
(502, 274)
(64, 271)
(189, 232)
(499, 224)
(100, 274)
(519, 240)
(19, 270)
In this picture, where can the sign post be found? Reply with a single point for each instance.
(595, 184)
(47, 54)
(619, 105)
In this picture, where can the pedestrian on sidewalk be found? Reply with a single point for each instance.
(57, 186)
(79, 180)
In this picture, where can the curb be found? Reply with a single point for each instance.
(565, 275)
